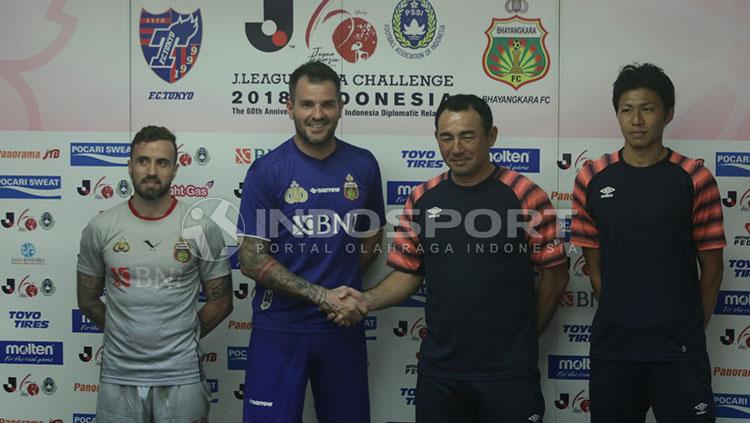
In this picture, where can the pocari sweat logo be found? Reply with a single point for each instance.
(31, 187)
(399, 191)
(236, 358)
(31, 352)
(99, 154)
(519, 159)
(732, 164)
(572, 367)
(732, 406)
(84, 418)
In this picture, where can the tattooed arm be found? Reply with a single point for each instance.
(218, 303)
(257, 264)
(89, 291)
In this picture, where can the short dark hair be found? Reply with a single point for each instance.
(463, 102)
(316, 72)
(152, 133)
(647, 75)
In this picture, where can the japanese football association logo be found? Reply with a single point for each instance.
(516, 53)
(170, 42)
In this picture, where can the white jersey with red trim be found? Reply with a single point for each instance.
(152, 280)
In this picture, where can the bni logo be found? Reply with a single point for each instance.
(569, 367)
(99, 154)
(732, 164)
(519, 159)
(732, 405)
(398, 191)
(213, 386)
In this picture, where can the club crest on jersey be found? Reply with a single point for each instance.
(121, 246)
(516, 53)
(170, 42)
(295, 194)
(351, 191)
(182, 251)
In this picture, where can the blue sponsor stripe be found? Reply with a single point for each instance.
(519, 159)
(569, 367)
(12, 193)
(733, 303)
(31, 352)
(732, 405)
(732, 163)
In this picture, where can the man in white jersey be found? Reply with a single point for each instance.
(152, 271)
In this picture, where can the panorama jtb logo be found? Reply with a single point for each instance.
(170, 42)
(732, 164)
(398, 191)
(31, 187)
(99, 154)
(31, 352)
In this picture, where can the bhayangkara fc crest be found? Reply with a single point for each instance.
(351, 191)
(170, 42)
(516, 53)
(182, 251)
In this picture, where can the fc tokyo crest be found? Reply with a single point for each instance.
(170, 42)
(516, 54)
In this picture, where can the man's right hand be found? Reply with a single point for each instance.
(344, 305)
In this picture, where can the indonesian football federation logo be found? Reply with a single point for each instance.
(414, 30)
(516, 54)
(170, 42)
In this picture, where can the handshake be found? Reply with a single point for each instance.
(344, 305)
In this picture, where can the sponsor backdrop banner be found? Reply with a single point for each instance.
(78, 79)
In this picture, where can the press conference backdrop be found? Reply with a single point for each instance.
(79, 78)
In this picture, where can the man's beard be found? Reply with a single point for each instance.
(151, 194)
(319, 141)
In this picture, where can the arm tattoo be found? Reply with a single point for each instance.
(218, 288)
(218, 303)
(89, 292)
(255, 263)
